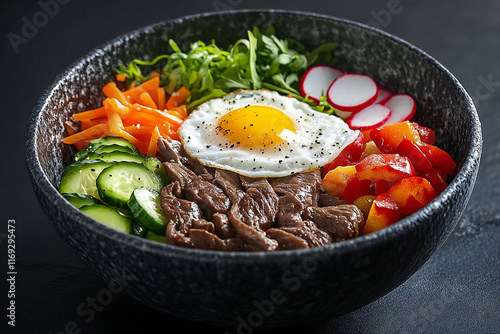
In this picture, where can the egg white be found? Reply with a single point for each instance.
(318, 140)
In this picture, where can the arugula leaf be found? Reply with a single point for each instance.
(261, 60)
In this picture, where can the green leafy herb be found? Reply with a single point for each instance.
(261, 61)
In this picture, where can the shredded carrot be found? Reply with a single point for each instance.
(181, 110)
(112, 91)
(161, 98)
(149, 86)
(121, 77)
(89, 123)
(90, 114)
(147, 100)
(115, 122)
(115, 105)
(91, 133)
(174, 120)
(140, 130)
(177, 98)
(153, 147)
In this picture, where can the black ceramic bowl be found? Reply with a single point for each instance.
(269, 289)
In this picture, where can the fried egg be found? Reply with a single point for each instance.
(263, 134)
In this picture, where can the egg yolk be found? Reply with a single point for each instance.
(256, 127)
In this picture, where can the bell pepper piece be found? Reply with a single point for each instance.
(410, 150)
(335, 181)
(383, 212)
(380, 186)
(349, 155)
(412, 194)
(438, 158)
(370, 148)
(364, 203)
(426, 134)
(436, 177)
(356, 188)
(388, 167)
(388, 137)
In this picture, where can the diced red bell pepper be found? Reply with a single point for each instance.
(412, 194)
(336, 180)
(388, 167)
(356, 188)
(383, 212)
(438, 158)
(349, 155)
(426, 134)
(410, 150)
(380, 186)
(436, 177)
(388, 137)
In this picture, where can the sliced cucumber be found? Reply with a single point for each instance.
(157, 166)
(117, 182)
(80, 177)
(104, 141)
(139, 229)
(109, 217)
(155, 237)
(146, 208)
(116, 156)
(80, 200)
(114, 148)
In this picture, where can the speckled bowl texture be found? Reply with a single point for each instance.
(248, 290)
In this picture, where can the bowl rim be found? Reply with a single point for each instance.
(467, 172)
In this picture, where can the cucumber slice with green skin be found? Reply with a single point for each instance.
(139, 229)
(80, 177)
(116, 156)
(79, 200)
(116, 183)
(154, 237)
(114, 148)
(108, 216)
(146, 208)
(104, 141)
(157, 166)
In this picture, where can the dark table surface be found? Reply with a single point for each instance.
(456, 291)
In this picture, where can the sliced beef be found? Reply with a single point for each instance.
(306, 187)
(222, 227)
(312, 235)
(173, 151)
(230, 183)
(341, 222)
(254, 213)
(289, 211)
(206, 174)
(210, 198)
(286, 240)
(202, 239)
(327, 199)
(203, 224)
(179, 173)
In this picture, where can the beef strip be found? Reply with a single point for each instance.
(327, 199)
(173, 151)
(179, 173)
(203, 224)
(203, 239)
(341, 222)
(306, 187)
(286, 240)
(206, 174)
(180, 213)
(210, 198)
(254, 213)
(230, 183)
(222, 227)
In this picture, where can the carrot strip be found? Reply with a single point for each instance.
(139, 131)
(161, 98)
(166, 117)
(147, 100)
(116, 106)
(153, 147)
(88, 134)
(89, 123)
(112, 91)
(177, 98)
(121, 77)
(149, 86)
(181, 110)
(115, 122)
(90, 114)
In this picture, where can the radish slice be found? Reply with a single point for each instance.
(383, 96)
(402, 108)
(352, 92)
(342, 114)
(370, 117)
(316, 81)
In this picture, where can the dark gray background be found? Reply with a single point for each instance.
(457, 291)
